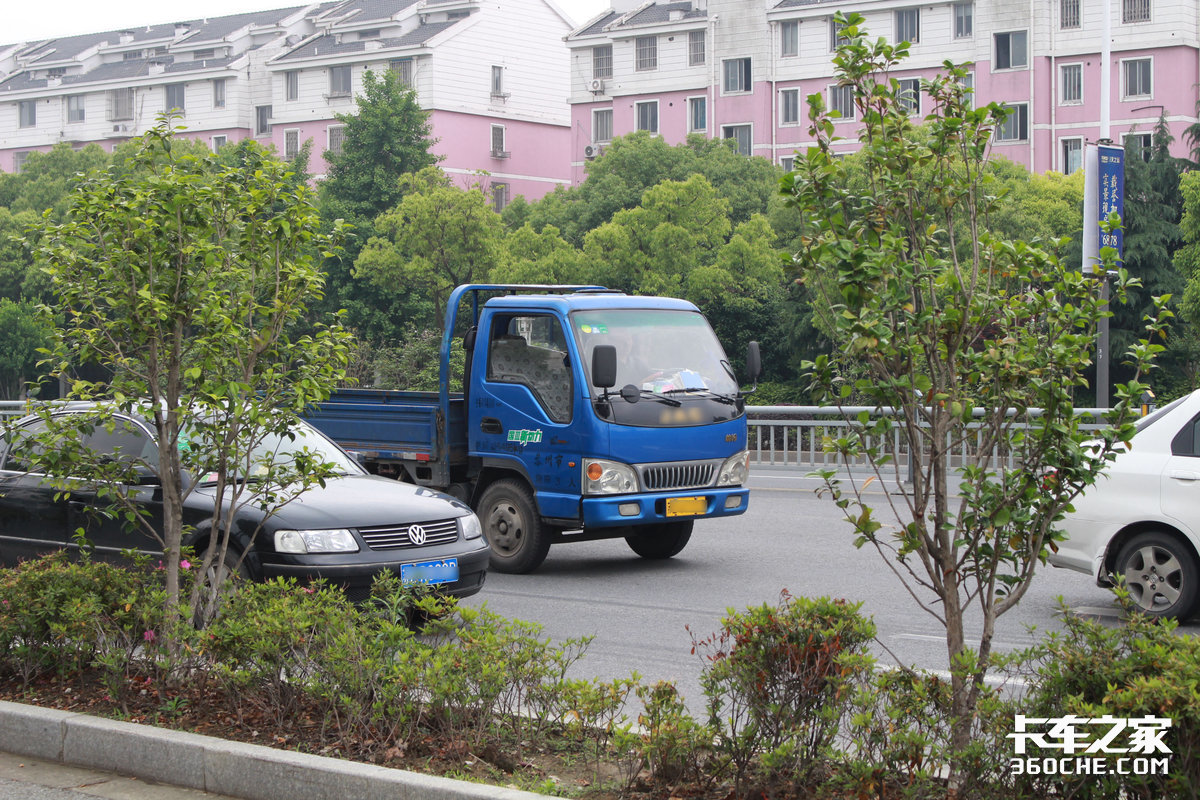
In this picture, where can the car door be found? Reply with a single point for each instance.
(32, 520)
(1180, 481)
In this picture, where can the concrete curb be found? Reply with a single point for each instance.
(216, 765)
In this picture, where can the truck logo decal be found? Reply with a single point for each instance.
(525, 437)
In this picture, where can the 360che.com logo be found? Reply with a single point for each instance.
(1074, 745)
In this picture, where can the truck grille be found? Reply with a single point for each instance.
(678, 475)
(410, 534)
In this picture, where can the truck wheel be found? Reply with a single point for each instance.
(1161, 575)
(660, 541)
(511, 524)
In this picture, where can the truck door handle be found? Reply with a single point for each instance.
(1185, 475)
(490, 425)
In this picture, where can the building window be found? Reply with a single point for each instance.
(1069, 19)
(498, 148)
(291, 85)
(1072, 155)
(696, 55)
(27, 112)
(1015, 127)
(1011, 50)
(789, 38)
(908, 25)
(602, 125)
(373, 33)
(19, 160)
(1138, 145)
(337, 138)
(131, 55)
(1070, 84)
(647, 116)
(841, 100)
(789, 106)
(218, 142)
(967, 82)
(339, 81)
(291, 143)
(697, 114)
(75, 108)
(964, 20)
(1135, 11)
(602, 61)
(120, 104)
(498, 82)
(173, 97)
(737, 75)
(218, 85)
(1137, 79)
(909, 95)
(787, 162)
(646, 48)
(836, 39)
(262, 120)
(403, 69)
(203, 55)
(499, 196)
(740, 134)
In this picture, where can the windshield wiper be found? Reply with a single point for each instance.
(720, 398)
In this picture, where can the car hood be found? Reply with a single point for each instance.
(355, 501)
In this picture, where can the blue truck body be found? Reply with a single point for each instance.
(541, 452)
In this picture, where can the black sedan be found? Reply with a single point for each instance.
(354, 527)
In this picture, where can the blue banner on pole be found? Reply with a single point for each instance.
(1112, 193)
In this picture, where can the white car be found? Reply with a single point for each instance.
(1141, 519)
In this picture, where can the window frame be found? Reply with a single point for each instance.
(500, 196)
(789, 38)
(789, 100)
(1020, 119)
(291, 136)
(744, 68)
(498, 134)
(116, 100)
(76, 108)
(341, 80)
(291, 85)
(637, 115)
(403, 67)
(836, 93)
(914, 92)
(1144, 149)
(602, 61)
(608, 112)
(1070, 15)
(1136, 12)
(836, 40)
(220, 93)
(179, 90)
(1148, 61)
(27, 113)
(700, 101)
(1011, 66)
(335, 133)
(962, 17)
(697, 56)
(645, 53)
(497, 82)
(907, 17)
(262, 120)
(215, 145)
(1063, 100)
(1063, 142)
(734, 127)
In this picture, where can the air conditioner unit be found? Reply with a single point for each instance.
(500, 154)
(120, 128)
(592, 150)
(597, 85)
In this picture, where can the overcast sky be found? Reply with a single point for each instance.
(25, 20)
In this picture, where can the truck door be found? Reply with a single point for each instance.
(525, 408)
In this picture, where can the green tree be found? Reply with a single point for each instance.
(205, 272)
(387, 137)
(437, 237)
(940, 333)
(22, 334)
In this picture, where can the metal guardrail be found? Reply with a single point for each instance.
(14, 408)
(795, 435)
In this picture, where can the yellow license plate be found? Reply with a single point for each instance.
(686, 506)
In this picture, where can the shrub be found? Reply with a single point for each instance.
(778, 681)
(674, 746)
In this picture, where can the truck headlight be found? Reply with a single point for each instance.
(338, 540)
(735, 470)
(608, 477)
(470, 527)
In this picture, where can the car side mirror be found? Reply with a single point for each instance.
(604, 366)
(753, 362)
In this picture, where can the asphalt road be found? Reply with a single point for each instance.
(643, 613)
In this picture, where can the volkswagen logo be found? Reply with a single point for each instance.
(416, 534)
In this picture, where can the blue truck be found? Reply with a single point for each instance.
(585, 414)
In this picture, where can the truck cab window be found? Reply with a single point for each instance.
(532, 351)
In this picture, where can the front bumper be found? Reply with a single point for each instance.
(356, 576)
(610, 511)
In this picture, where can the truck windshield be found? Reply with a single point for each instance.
(671, 356)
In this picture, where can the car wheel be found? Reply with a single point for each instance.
(223, 575)
(513, 528)
(1160, 573)
(660, 541)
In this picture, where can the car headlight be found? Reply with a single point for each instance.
(608, 477)
(338, 540)
(470, 527)
(735, 470)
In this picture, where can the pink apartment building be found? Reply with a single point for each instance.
(493, 76)
(742, 69)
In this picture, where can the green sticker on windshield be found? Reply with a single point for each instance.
(594, 328)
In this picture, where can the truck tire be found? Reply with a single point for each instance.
(513, 528)
(660, 541)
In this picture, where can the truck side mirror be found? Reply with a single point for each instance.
(604, 366)
(753, 362)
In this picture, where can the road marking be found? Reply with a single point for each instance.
(929, 637)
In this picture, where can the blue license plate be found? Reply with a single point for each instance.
(430, 572)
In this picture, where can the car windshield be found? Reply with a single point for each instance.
(1157, 414)
(302, 443)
